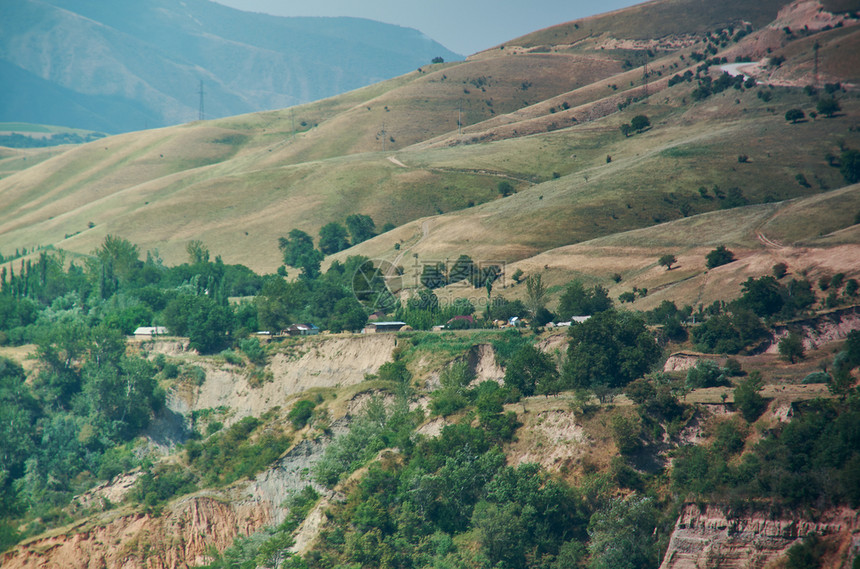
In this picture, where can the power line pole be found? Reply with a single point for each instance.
(201, 114)
(459, 118)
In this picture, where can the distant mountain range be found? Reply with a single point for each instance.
(129, 65)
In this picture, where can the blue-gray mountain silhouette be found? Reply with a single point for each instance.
(132, 64)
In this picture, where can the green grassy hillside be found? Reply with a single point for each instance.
(546, 175)
(547, 123)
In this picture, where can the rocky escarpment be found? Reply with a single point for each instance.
(822, 329)
(708, 537)
(336, 361)
(184, 532)
(814, 332)
(179, 538)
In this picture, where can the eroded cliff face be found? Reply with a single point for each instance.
(823, 329)
(709, 538)
(336, 361)
(179, 538)
(189, 527)
(185, 531)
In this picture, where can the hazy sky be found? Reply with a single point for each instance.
(463, 26)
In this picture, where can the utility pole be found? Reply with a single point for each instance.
(201, 115)
(459, 116)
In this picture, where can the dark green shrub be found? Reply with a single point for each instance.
(807, 554)
(232, 357)
(791, 347)
(301, 413)
(577, 300)
(816, 377)
(530, 370)
(728, 334)
(761, 295)
(640, 122)
(837, 280)
(163, 483)
(9, 536)
(254, 350)
(627, 433)
(794, 115)
(236, 452)
(849, 165)
(624, 475)
(779, 270)
(446, 401)
(610, 348)
(170, 370)
(747, 398)
(729, 438)
(719, 256)
(394, 371)
(733, 368)
(828, 106)
(706, 373)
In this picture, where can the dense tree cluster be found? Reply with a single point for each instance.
(576, 300)
(409, 512)
(819, 443)
(610, 348)
(66, 429)
(728, 333)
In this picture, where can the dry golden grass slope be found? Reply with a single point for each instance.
(815, 236)
(543, 114)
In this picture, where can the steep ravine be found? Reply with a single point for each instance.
(184, 532)
(188, 527)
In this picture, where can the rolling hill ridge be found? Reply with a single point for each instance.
(138, 65)
(697, 162)
(545, 117)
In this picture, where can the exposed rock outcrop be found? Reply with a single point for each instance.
(335, 361)
(179, 538)
(820, 330)
(710, 538)
(682, 361)
(482, 362)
